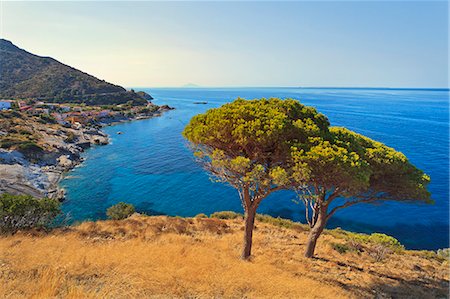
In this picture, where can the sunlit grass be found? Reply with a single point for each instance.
(199, 258)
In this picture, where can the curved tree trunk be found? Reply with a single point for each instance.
(248, 232)
(315, 232)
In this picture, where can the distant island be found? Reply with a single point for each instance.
(24, 75)
(191, 85)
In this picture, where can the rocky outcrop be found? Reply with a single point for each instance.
(38, 173)
(19, 175)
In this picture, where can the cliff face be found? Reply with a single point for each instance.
(25, 75)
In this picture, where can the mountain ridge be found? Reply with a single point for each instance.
(25, 75)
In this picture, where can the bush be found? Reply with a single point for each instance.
(19, 212)
(443, 254)
(226, 215)
(201, 215)
(341, 248)
(46, 119)
(374, 239)
(387, 241)
(120, 211)
(71, 137)
(379, 252)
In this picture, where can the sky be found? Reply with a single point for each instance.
(215, 44)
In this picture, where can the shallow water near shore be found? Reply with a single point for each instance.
(150, 166)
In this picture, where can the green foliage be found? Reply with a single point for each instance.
(71, 137)
(386, 240)
(248, 142)
(120, 211)
(149, 109)
(443, 254)
(201, 215)
(46, 119)
(341, 248)
(359, 167)
(24, 75)
(226, 215)
(20, 212)
(368, 240)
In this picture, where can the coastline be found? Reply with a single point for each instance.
(21, 175)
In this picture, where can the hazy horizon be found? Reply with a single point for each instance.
(240, 44)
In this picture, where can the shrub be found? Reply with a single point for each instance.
(226, 215)
(71, 137)
(19, 212)
(379, 252)
(341, 248)
(46, 119)
(201, 215)
(120, 211)
(386, 240)
(443, 254)
(374, 239)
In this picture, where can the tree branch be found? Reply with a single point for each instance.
(351, 203)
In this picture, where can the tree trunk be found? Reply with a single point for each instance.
(315, 232)
(248, 232)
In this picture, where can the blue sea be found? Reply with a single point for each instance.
(150, 165)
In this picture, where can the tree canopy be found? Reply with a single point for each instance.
(260, 146)
(355, 169)
(247, 144)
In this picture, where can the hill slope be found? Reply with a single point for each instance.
(25, 75)
(164, 257)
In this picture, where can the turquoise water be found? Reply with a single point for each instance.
(150, 166)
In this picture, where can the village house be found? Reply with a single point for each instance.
(5, 105)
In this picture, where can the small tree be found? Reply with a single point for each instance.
(345, 168)
(19, 212)
(120, 211)
(247, 144)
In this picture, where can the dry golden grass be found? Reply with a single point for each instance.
(161, 257)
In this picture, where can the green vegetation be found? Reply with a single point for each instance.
(226, 215)
(24, 75)
(20, 212)
(261, 146)
(347, 168)
(46, 119)
(341, 248)
(247, 144)
(120, 211)
(374, 239)
(201, 215)
(71, 137)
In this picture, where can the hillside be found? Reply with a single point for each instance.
(162, 257)
(25, 75)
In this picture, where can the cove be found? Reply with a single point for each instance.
(150, 165)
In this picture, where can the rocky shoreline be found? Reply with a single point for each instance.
(40, 175)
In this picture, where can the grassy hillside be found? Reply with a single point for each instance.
(164, 257)
(25, 75)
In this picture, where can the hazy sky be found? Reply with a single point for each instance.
(149, 44)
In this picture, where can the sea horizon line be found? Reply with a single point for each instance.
(292, 87)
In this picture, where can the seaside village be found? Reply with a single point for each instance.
(76, 115)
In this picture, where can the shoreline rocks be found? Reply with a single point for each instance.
(40, 177)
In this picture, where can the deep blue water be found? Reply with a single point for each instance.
(150, 166)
